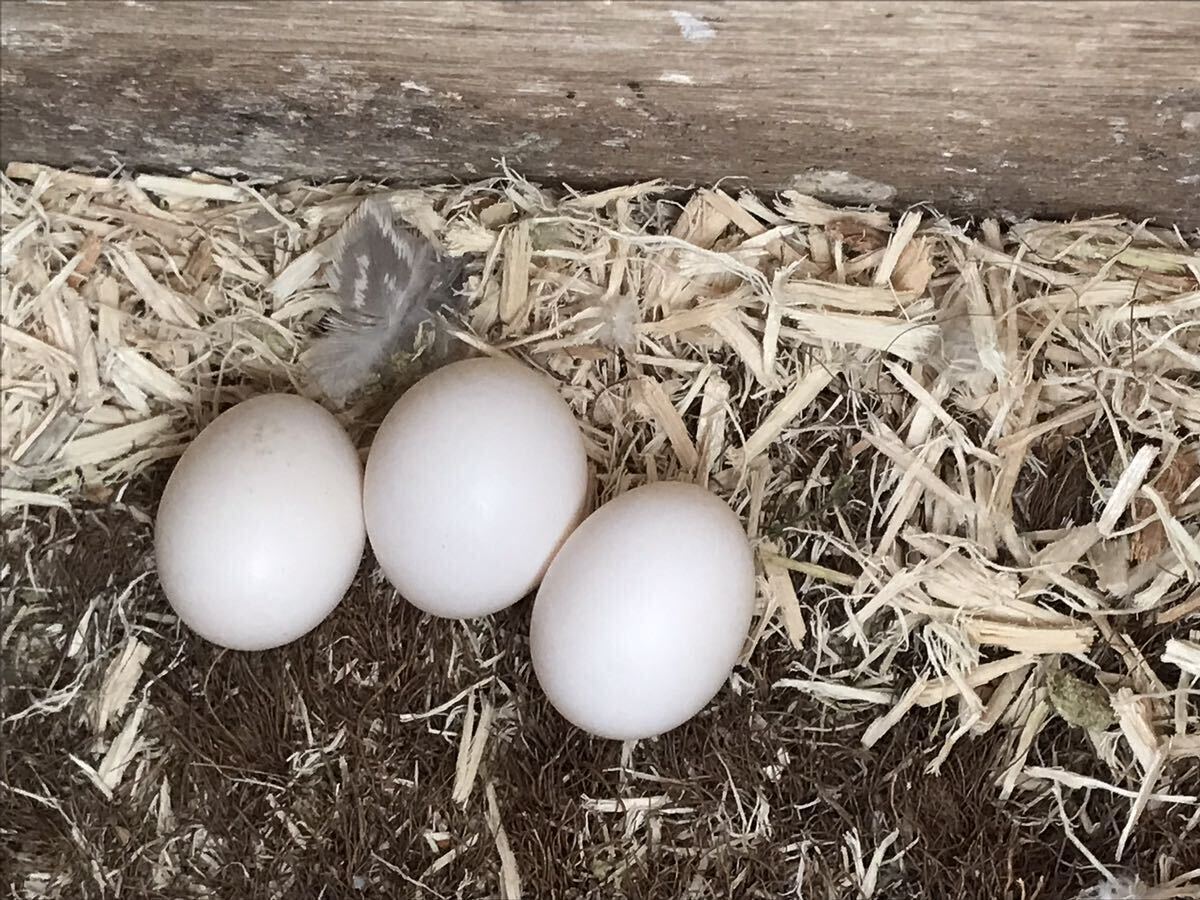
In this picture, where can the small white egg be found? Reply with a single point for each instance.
(476, 477)
(644, 611)
(260, 529)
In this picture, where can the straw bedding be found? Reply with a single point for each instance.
(966, 455)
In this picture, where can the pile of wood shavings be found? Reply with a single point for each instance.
(967, 456)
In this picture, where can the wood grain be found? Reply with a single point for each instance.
(1031, 108)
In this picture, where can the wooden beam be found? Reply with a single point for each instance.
(1058, 108)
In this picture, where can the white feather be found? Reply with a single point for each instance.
(388, 282)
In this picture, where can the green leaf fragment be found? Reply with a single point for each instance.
(1079, 703)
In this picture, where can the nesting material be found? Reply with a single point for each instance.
(967, 455)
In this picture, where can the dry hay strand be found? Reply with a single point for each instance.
(965, 456)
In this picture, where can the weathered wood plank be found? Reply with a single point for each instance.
(1044, 108)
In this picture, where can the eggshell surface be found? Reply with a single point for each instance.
(260, 529)
(475, 478)
(644, 611)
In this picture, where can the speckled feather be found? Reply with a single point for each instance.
(388, 282)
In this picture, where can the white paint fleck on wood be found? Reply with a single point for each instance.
(691, 27)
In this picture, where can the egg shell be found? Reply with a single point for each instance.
(260, 529)
(643, 613)
(475, 478)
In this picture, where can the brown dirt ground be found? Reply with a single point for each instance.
(226, 729)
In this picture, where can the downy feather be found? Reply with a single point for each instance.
(388, 281)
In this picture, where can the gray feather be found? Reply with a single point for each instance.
(388, 283)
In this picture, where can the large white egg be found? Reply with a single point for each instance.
(260, 529)
(475, 478)
(644, 611)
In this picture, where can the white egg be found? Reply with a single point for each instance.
(260, 529)
(644, 611)
(477, 475)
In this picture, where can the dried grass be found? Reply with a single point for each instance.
(966, 456)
